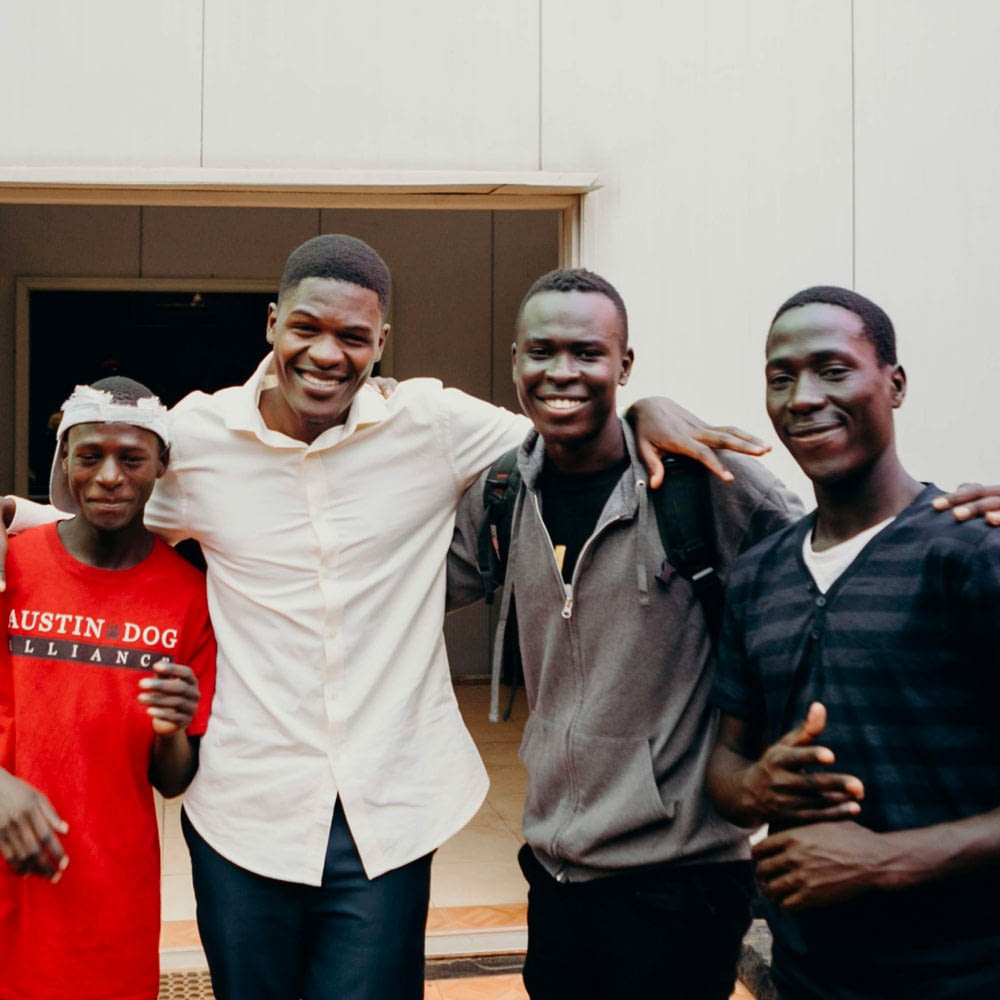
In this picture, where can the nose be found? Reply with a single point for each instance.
(110, 472)
(325, 351)
(807, 394)
(561, 367)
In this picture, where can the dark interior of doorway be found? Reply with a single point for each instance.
(173, 342)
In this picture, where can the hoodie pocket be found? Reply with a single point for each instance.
(589, 796)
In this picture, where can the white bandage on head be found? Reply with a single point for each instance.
(87, 405)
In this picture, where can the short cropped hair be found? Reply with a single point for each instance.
(875, 323)
(577, 279)
(342, 258)
(128, 390)
(122, 389)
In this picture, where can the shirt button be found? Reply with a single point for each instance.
(820, 601)
(814, 634)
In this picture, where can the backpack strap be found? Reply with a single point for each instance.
(499, 493)
(503, 482)
(684, 515)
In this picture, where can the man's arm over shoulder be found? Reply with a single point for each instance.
(17, 515)
(478, 433)
(754, 506)
(27, 514)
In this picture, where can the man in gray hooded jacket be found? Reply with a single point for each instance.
(634, 880)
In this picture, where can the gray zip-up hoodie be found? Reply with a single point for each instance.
(618, 672)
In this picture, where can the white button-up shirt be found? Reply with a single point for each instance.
(326, 585)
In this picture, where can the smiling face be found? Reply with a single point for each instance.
(829, 397)
(569, 360)
(111, 470)
(327, 335)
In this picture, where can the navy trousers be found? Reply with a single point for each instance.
(671, 931)
(352, 938)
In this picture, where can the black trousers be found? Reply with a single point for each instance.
(673, 931)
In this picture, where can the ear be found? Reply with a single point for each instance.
(164, 461)
(898, 386)
(380, 346)
(513, 362)
(627, 359)
(272, 319)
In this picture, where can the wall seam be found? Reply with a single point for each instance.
(540, 51)
(201, 124)
(854, 167)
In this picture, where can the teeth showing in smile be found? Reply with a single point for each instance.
(320, 381)
(559, 403)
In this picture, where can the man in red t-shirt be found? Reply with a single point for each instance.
(105, 685)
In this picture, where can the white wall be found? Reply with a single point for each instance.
(105, 82)
(928, 219)
(722, 132)
(315, 83)
(747, 148)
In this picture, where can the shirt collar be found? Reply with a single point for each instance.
(241, 411)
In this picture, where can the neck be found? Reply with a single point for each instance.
(106, 549)
(594, 455)
(850, 505)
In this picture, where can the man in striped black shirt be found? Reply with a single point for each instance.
(859, 692)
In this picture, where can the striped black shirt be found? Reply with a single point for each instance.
(903, 652)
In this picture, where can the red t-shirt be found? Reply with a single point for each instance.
(80, 639)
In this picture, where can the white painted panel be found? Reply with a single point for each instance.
(333, 83)
(928, 219)
(110, 83)
(722, 133)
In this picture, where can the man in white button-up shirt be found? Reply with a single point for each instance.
(336, 759)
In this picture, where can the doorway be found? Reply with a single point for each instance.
(172, 341)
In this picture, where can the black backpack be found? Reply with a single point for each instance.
(683, 512)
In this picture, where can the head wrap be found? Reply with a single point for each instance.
(87, 405)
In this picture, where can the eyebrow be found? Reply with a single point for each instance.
(578, 342)
(310, 314)
(815, 356)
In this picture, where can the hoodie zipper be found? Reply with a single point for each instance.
(567, 609)
(567, 614)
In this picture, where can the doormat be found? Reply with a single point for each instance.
(479, 965)
(186, 986)
(198, 985)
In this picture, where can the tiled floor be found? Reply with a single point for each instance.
(479, 988)
(504, 988)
